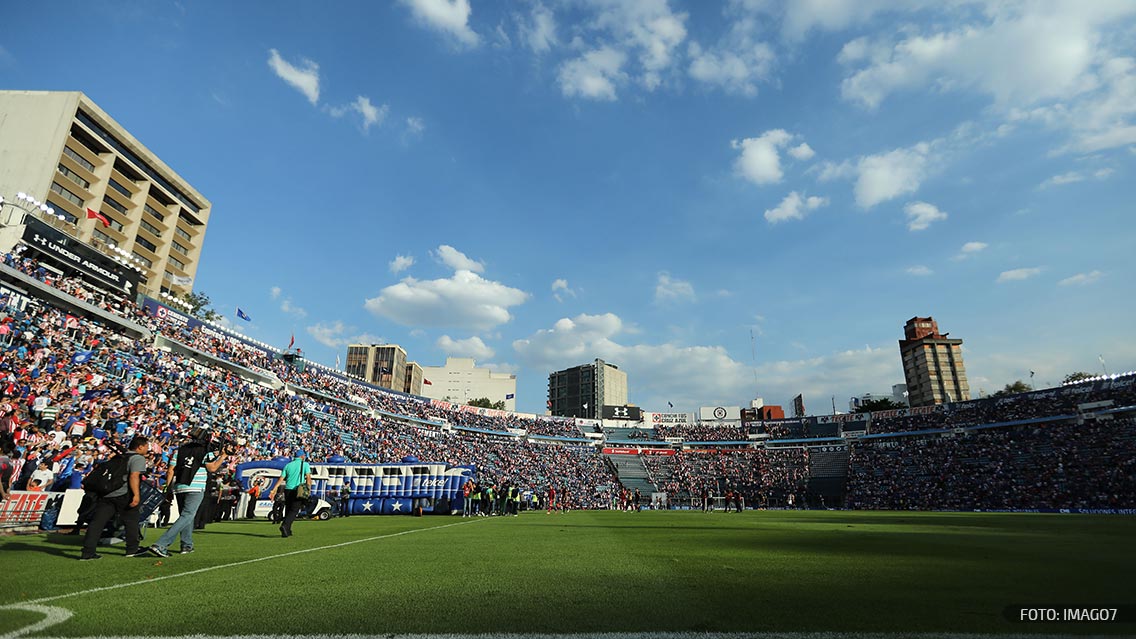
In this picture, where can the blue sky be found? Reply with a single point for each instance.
(536, 184)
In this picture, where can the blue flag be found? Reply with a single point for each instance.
(97, 393)
(509, 396)
(670, 404)
(82, 357)
(241, 314)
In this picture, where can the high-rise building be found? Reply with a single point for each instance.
(379, 364)
(64, 152)
(413, 379)
(460, 381)
(583, 391)
(932, 364)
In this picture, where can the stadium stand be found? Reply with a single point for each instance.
(82, 370)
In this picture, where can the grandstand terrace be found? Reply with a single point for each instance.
(1068, 447)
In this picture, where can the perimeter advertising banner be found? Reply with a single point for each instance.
(638, 451)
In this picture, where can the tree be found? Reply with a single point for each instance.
(873, 405)
(199, 306)
(483, 402)
(1076, 377)
(1015, 388)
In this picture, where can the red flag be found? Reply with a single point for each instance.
(291, 341)
(95, 215)
(427, 382)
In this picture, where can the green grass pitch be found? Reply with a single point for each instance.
(588, 572)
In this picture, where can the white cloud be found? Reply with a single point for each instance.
(464, 300)
(736, 69)
(919, 271)
(457, 260)
(275, 291)
(539, 32)
(1018, 274)
(400, 263)
(1081, 279)
(794, 207)
(692, 376)
(288, 307)
(335, 335)
(920, 215)
(593, 75)
(371, 114)
(415, 125)
(969, 249)
(668, 289)
(802, 152)
(304, 78)
(1072, 177)
(501, 367)
(450, 17)
(887, 176)
(470, 347)
(561, 286)
(760, 161)
(647, 28)
(1062, 63)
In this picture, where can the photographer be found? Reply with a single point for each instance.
(189, 474)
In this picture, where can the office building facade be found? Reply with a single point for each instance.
(583, 391)
(460, 381)
(932, 364)
(379, 364)
(63, 151)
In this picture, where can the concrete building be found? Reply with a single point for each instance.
(413, 379)
(932, 364)
(898, 395)
(460, 381)
(64, 152)
(582, 391)
(379, 364)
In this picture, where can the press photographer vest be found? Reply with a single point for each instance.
(190, 457)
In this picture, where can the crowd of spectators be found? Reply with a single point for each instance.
(767, 478)
(704, 432)
(1046, 465)
(73, 391)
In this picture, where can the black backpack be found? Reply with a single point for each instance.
(108, 476)
(190, 457)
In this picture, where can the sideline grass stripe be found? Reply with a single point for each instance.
(246, 562)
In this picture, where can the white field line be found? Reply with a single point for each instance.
(51, 617)
(245, 562)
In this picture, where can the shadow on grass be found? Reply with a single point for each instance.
(48, 550)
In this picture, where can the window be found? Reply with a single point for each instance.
(99, 235)
(180, 249)
(182, 233)
(144, 260)
(59, 210)
(150, 227)
(147, 244)
(114, 224)
(114, 204)
(178, 263)
(120, 188)
(74, 155)
(67, 195)
(155, 212)
(74, 177)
